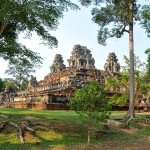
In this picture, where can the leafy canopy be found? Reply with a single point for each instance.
(113, 18)
(21, 67)
(27, 16)
(148, 61)
(90, 102)
(120, 85)
(2, 87)
(7, 82)
(116, 17)
(138, 65)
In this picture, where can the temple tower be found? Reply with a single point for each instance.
(112, 64)
(81, 58)
(58, 64)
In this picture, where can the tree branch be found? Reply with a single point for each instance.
(124, 29)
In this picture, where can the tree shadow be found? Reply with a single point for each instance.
(70, 135)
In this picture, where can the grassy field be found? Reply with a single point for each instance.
(62, 130)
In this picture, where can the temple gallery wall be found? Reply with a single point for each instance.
(57, 87)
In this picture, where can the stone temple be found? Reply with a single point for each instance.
(58, 86)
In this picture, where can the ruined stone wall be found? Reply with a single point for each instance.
(59, 84)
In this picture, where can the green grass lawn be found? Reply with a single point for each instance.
(61, 130)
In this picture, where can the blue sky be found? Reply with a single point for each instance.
(76, 27)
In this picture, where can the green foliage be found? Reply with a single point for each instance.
(111, 83)
(90, 102)
(116, 17)
(63, 131)
(27, 16)
(7, 82)
(120, 100)
(112, 17)
(24, 84)
(145, 19)
(120, 84)
(140, 76)
(10, 82)
(87, 2)
(148, 61)
(138, 65)
(2, 87)
(20, 67)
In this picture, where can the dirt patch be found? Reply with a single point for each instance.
(143, 144)
(58, 148)
(143, 124)
(144, 113)
(33, 118)
(116, 125)
(129, 131)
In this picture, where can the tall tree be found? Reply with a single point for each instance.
(20, 67)
(139, 76)
(27, 16)
(148, 61)
(120, 86)
(91, 104)
(116, 17)
(2, 85)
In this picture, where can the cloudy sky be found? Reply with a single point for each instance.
(76, 27)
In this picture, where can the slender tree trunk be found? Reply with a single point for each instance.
(3, 26)
(20, 82)
(19, 85)
(89, 133)
(131, 49)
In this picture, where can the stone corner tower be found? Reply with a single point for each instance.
(58, 64)
(112, 64)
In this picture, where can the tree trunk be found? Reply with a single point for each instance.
(131, 49)
(20, 82)
(89, 133)
(3, 26)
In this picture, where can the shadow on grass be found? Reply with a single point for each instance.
(61, 115)
(63, 131)
(57, 133)
(44, 143)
